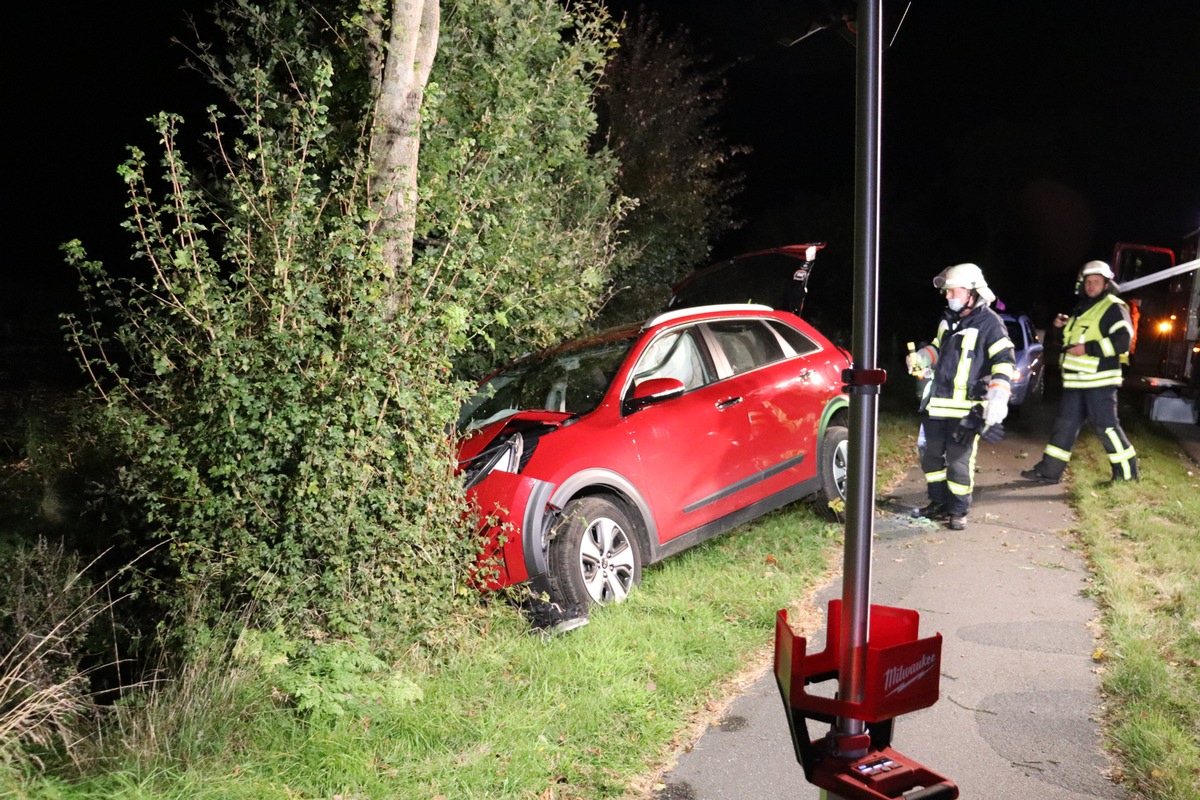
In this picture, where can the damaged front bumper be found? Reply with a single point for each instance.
(515, 519)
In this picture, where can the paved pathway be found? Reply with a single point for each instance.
(1019, 702)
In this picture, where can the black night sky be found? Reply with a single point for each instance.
(1025, 135)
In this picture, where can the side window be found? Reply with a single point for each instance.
(1016, 333)
(800, 344)
(675, 354)
(746, 343)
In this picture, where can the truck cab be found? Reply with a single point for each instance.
(1163, 297)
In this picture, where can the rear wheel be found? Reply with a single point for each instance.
(833, 467)
(594, 555)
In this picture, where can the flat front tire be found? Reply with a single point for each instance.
(594, 554)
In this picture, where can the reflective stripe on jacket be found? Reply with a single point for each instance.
(1102, 326)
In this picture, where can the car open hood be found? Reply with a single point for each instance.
(777, 278)
(475, 442)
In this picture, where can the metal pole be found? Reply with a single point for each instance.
(864, 401)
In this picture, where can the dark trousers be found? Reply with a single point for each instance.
(1099, 407)
(949, 466)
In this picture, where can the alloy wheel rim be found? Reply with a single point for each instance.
(607, 562)
(841, 467)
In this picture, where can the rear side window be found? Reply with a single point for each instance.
(1016, 333)
(801, 344)
(746, 343)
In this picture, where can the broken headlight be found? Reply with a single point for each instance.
(507, 454)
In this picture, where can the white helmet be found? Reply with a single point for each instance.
(1099, 268)
(965, 276)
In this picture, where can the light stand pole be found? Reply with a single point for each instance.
(896, 672)
(864, 399)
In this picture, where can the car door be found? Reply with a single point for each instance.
(782, 398)
(688, 446)
(1035, 361)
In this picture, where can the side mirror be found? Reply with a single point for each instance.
(654, 390)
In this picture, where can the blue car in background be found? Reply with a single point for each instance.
(1028, 383)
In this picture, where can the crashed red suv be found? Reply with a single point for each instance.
(593, 459)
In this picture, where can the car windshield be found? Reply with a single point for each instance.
(573, 381)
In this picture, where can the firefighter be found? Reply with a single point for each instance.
(1096, 340)
(971, 360)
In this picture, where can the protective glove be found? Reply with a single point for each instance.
(919, 360)
(993, 433)
(997, 403)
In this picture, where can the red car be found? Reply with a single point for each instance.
(591, 460)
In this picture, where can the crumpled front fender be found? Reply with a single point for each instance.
(514, 518)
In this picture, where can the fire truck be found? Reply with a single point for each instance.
(1163, 291)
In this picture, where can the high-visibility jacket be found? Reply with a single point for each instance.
(969, 354)
(1103, 327)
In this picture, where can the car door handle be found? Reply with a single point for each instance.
(724, 404)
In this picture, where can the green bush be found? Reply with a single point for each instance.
(659, 106)
(278, 398)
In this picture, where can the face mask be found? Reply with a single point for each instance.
(955, 304)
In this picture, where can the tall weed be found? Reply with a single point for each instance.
(46, 700)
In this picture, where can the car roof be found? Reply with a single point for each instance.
(722, 308)
(630, 330)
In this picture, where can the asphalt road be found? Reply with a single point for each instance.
(1017, 718)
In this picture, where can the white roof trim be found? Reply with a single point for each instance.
(679, 313)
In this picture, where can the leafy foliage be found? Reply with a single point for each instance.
(518, 217)
(334, 680)
(498, 715)
(660, 103)
(279, 395)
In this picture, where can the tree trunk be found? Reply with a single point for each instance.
(404, 48)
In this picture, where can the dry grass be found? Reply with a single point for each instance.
(48, 706)
(43, 694)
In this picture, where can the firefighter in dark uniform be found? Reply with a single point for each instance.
(971, 364)
(1096, 338)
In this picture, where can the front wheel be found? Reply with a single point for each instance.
(594, 554)
(834, 465)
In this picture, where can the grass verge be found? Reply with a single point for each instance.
(1143, 540)
(507, 714)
